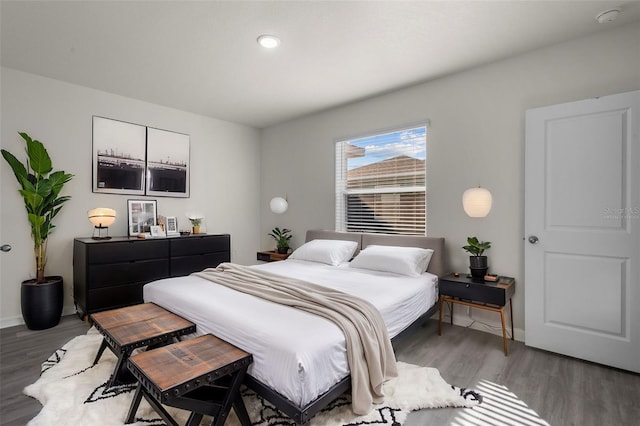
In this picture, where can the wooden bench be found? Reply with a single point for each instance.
(201, 375)
(145, 325)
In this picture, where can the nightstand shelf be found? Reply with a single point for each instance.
(490, 296)
(271, 256)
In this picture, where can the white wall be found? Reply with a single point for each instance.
(225, 166)
(476, 137)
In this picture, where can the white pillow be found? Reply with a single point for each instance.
(411, 261)
(332, 252)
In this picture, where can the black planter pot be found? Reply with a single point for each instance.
(478, 266)
(42, 303)
(283, 250)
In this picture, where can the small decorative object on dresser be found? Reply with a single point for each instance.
(171, 225)
(282, 237)
(196, 221)
(142, 215)
(477, 262)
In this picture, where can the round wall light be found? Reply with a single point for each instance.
(477, 202)
(278, 205)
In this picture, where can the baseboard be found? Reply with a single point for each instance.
(13, 321)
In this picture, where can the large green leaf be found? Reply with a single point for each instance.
(18, 168)
(32, 199)
(39, 159)
(58, 179)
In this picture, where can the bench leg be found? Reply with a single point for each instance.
(241, 411)
(231, 399)
(103, 346)
(120, 371)
(194, 419)
(135, 403)
(158, 408)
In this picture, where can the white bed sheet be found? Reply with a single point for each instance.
(296, 353)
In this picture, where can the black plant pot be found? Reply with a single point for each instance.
(283, 250)
(42, 303)
(478, 266)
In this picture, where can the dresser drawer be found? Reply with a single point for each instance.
(187, 246)
(125, 251)
(476, 292)
(116, 274)
(105, 298)
(185, 265)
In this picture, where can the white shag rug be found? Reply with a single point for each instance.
(73, 392)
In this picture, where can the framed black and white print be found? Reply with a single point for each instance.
(142, 215)
(119, 154)
(167, 163)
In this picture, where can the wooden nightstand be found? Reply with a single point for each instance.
(271, 256)
(491, 296)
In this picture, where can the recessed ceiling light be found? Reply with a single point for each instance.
(268, 41)
(608, 16)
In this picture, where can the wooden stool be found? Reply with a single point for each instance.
(202, 375)
(126, 329)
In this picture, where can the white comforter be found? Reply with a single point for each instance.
(296, 353)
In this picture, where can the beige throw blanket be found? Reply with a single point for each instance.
(369, 351)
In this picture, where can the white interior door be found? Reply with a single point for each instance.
(582, 204)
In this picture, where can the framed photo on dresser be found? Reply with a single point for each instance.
(141, 215)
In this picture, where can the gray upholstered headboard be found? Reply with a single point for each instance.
(436, 265)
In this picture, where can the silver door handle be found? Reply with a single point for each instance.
(5, 247)
(533, 239)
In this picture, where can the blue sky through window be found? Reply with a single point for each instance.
(411, 142)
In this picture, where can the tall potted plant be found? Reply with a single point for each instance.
(40, 186)
(477, 262)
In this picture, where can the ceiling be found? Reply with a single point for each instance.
(202, 56)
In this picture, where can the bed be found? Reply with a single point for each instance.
(298, 374)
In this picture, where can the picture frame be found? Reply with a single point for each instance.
(167, 166)
(119, 156)
(141, 216)
(171, 225)
(135, 159)
(156, 231)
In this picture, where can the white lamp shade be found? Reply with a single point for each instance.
(102, 217)
(477, 202)
(278, 205)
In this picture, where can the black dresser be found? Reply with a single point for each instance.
(109, 274)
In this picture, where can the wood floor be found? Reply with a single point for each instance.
(561, 390)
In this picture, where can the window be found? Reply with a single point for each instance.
(381, 183)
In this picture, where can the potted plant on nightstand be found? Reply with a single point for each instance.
(477, 262)
(42, 297)
(282, 237)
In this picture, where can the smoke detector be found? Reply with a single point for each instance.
(608, 15)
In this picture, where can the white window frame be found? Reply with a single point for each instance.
(341, 178)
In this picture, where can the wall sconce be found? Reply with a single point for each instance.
(101, 218)
(477, 202)
(278, 205)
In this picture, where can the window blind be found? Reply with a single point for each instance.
(381, 183)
